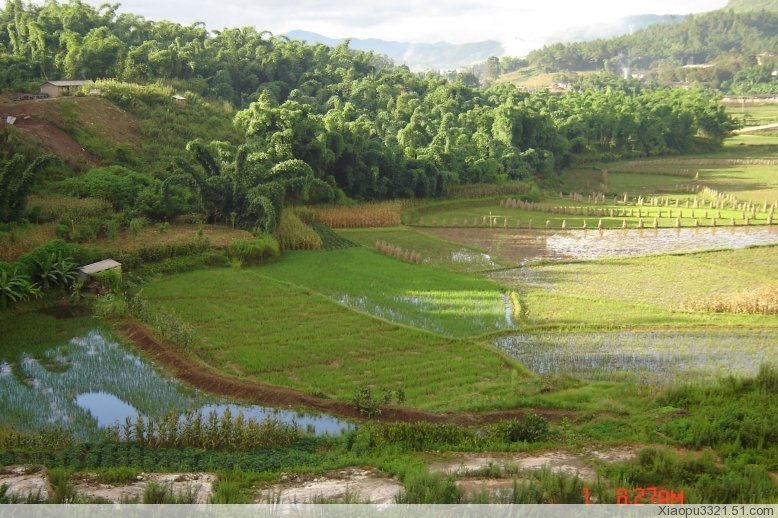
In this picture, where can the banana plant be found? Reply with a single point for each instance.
(15, 287)
(55, 270)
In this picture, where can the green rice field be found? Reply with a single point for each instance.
(252, 325)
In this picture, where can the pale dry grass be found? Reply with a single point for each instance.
(397, 252)
(760, 301)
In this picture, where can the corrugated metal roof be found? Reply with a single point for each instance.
(69, 83)
(100, 266)
(179, 98)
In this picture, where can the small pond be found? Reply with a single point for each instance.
(91, 382)
(521, 246)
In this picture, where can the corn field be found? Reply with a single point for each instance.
(367, 215)
(209, 432)
(293, 234)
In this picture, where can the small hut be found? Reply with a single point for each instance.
(179, 100)
(93, 270)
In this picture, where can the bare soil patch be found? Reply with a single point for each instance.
(52, 139)
(474, 465)
(352, 485)
(200, 485)
(26, 480)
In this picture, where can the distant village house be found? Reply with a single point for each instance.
(63, 88)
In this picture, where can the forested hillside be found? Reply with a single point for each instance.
(696, 39)
(323, 122)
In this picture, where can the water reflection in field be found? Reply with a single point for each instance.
(520, 246)
(91, 382)
(659, 356)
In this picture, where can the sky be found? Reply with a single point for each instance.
(519, 25)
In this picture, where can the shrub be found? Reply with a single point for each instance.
(423, 436)
(187, 263)
(116, 184)
(429, 488)
(257, 251)
(154, 253)
(370, 405)
(532, 428)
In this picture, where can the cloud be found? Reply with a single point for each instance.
(519, 25)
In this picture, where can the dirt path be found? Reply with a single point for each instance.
(204, 377)
(750, 129)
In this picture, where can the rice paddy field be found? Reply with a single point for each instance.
(252, 324)
(435, 251)
(72, 373)
(656, 358)
(637, 291)
(753, 114)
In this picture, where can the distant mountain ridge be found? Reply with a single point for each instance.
(418, 56)
(622, 26)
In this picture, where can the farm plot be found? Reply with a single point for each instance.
(627, 211)
(50, 391)
(434, 251)
(654, 357)
(642, 291)
(445, 303)
(262, 329)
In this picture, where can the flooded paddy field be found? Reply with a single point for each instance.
(659, 357)
(90, 382)
(522, 246)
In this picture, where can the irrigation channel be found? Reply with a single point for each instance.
(522, 246)
(91, 382)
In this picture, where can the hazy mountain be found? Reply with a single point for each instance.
(625, 25)
(753, 5)
(418, 56)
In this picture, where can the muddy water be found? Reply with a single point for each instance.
(90, 382)
(520, 246)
